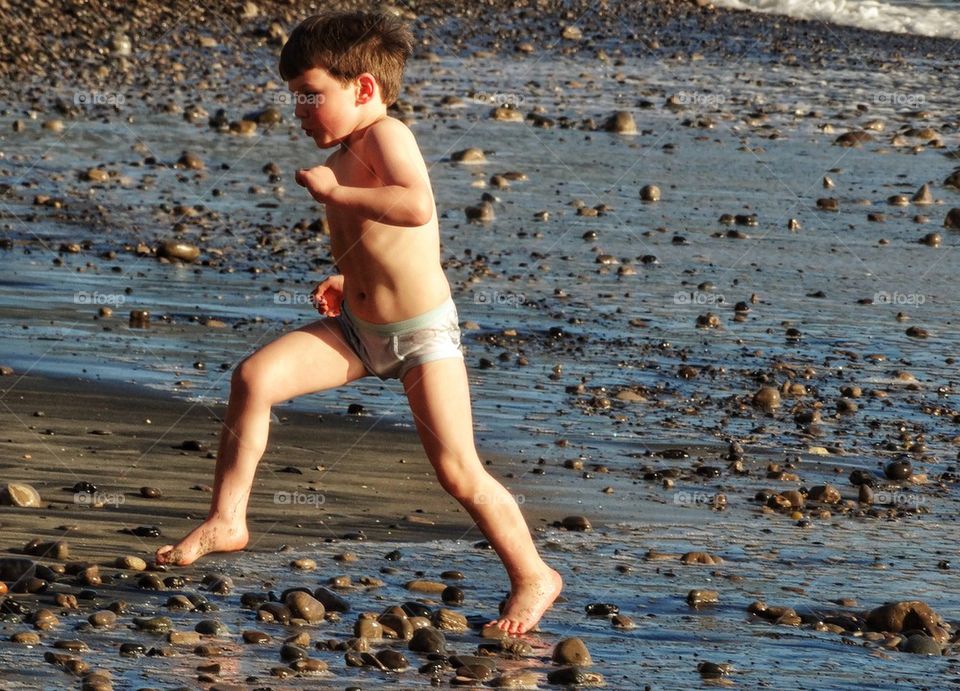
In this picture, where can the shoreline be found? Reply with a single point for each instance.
(97, 433)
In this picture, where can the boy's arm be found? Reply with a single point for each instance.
(404, 199)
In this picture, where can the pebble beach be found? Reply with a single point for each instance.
(704, 261)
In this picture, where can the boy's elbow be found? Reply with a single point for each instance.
(422, 211)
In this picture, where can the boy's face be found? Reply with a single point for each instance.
(328, 111)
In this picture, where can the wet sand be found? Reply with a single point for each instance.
(320, 479)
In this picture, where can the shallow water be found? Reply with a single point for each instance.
(671, 638)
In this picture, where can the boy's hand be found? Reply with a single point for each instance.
(319, 181)
(328, 296)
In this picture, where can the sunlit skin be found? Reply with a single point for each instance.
(385, 240)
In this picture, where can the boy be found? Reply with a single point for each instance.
(388, 313)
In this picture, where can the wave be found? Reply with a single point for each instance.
(922, 20)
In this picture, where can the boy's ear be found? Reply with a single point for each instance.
(367, 88)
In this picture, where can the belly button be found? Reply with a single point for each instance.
(362, 296)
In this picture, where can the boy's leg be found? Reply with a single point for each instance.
(439, 398)
(307, 360)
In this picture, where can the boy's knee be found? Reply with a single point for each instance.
(461, 476)
(249, 375)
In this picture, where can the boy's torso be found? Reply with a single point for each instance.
(390, 273)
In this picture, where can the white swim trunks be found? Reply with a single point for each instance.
(389, 351)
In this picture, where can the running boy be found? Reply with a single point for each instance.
(388, 313)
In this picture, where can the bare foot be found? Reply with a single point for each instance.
(210, 536)
(528, 601)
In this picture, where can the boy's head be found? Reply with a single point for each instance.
(347, 45)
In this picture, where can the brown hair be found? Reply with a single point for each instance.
(347, 44)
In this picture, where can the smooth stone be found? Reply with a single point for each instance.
(255, 637)
(304, 606)
(898, 470)
(19, 494)
(699, 598)
(576, 523)
(448, 620)
(827, 494)
(370, 629)
(211, 627)
(25, 638)
(516, 679)
(426, 587)
(331, 601)
(921, 644)
(621, 122)
(700, 558)
(177, 249)
(650, 193)
(183, 637)
(953, 219)
(303, 564)
(428, 640)
(290, 652)
(153, 624)
(897, 617)
(393, 660)
(574, 676)
(131, 563)
(571, 651)
(471, 155)
(103, 619)
(766, 398)
(13, 569)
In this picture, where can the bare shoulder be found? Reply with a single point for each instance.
(390, 133)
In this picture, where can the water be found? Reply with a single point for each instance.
(920, 17)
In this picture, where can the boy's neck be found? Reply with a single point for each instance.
(364, 125)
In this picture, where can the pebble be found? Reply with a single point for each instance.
(767, 398)
(574, 676)
(304, 606)
(621, 122)
(103, 619)
(19, 494)
(953, 219)
(571, 651)
(428, 640)
(255, 637)
(426, 587)
(576, 523)
(898, 470)
(471, 155)
(699, 598)
(650, 193)
(178, 250)
(131, 563)
(211, 627)
(448, 620)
